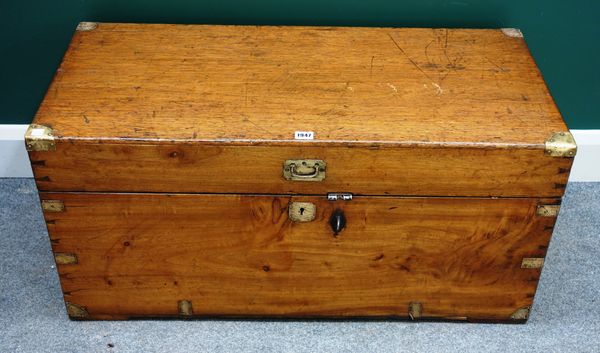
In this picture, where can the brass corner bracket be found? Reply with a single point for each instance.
(521, 313)
(548, 210)
(86, 26)
(39, 138)
(53, 206)
(76, 312)
(561, 144)
(185, 308)
(415, 310)
(532, 262)
(512, 32)
(65, 258)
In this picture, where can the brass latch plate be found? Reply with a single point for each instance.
(39, 138)
(561, 144)
(304, 169)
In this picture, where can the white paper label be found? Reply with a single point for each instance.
(304, 135)
(37, 132)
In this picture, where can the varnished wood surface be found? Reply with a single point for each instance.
(231, 255)
(259, 169)
(246, 84)
(213, 109)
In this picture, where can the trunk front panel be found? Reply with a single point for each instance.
(138, 255)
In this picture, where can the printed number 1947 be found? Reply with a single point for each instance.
(304, 135)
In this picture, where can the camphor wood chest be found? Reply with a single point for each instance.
(242, 171)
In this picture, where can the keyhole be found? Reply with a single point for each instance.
(301, 211)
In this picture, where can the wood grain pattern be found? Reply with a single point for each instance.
(231, 255)
(131, 82)
(258, 169)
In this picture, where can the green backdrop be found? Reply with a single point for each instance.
(564, 36)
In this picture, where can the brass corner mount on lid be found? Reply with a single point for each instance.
(561, 144)
(86, 26)
(39, 138)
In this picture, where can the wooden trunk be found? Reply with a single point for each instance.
(201, 171)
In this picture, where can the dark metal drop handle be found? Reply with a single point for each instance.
(337, 221)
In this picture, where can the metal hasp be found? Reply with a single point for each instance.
(39, 138)
(561, 144)
(304, 169)
(339, 196)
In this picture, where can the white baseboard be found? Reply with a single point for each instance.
(14, 162)
(586, 166)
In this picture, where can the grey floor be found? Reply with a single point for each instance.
(565, 316)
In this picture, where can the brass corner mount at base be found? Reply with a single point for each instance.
(521, 313)
(185, 308)
(76, 312)
(415, 310)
